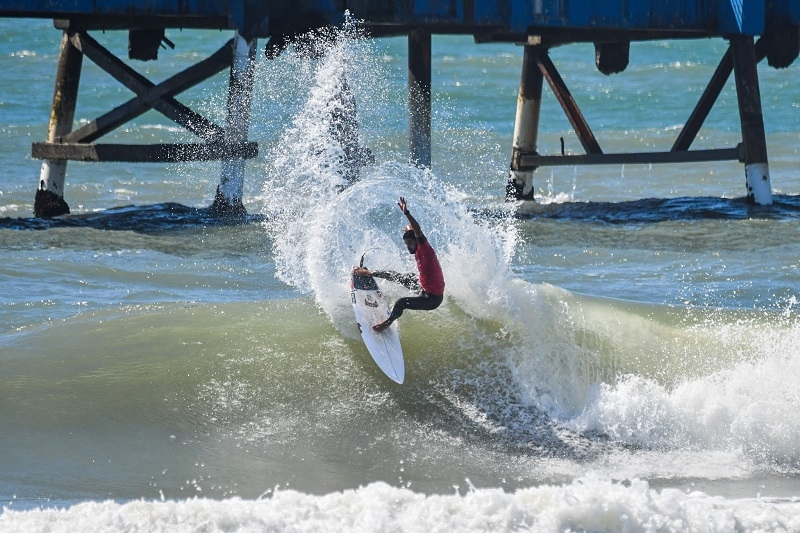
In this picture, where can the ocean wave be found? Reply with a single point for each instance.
(587, 504)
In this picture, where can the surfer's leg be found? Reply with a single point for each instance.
(397, 312)
(399, 306)
(423, 302)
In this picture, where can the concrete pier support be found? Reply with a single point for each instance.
(419, 96)
(754, 139)
(228, 197)
(49, 201)
(526, 125)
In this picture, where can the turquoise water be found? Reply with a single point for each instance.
(621, 354)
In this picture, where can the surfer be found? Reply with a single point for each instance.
(430, 281)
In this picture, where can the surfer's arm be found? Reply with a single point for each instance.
(391, 275)
(411, 220)
(409, 281)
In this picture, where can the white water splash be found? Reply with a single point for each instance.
(320, 233)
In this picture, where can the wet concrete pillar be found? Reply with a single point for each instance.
(754, 140)
(526, 125)
(49, 201)
(419, 97)
(228, 198)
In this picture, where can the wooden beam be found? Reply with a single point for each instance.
(754, 139)
(568, 103)
(145, 153)
(709, 97)
(169, 107)
(531, 161)
(144, 101)
(49, 201)
(704, 104)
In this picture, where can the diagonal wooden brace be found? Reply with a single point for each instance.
(709, 97)
(568, 104)
(149, 95)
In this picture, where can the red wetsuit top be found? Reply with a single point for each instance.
(430, 271)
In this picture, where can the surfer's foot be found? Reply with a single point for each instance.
(382, 326)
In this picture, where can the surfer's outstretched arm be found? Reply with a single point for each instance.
(409, 281)
(411, 220)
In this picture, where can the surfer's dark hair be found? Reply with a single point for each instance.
(409, 234)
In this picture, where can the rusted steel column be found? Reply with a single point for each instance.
(526, 125)
(228, 198)
(419, 96)
(754, 139)
(49, 200)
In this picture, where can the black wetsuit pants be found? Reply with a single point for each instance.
(423, 302)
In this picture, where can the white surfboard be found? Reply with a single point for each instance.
(370, 308)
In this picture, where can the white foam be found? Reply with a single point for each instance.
(752, 406)
(587, 504)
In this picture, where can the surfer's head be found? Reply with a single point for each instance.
(410, 238)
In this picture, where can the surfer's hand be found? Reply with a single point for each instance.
(402, 205)
(361, 271)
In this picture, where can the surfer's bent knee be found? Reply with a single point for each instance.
(423, 302)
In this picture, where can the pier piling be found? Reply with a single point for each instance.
(229, 144)
(754, 139)
(228, 197)
(526, 124)
(49, 201)
(419, 97)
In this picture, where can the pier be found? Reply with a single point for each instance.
(754, 30)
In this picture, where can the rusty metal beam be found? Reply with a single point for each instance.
(568, 103)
